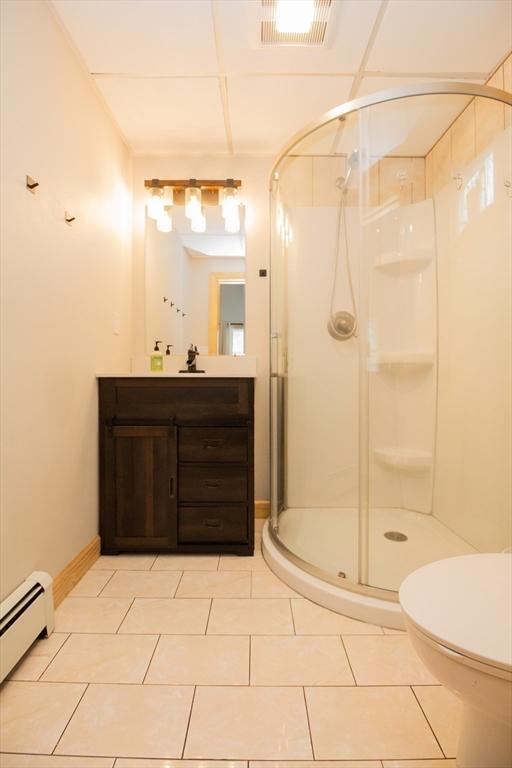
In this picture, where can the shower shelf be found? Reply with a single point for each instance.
(404, 360)
(404, 262)
(405, 459)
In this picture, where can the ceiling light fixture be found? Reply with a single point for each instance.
(294, 16)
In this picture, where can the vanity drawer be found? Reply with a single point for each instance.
(211, 524)
(212, 482)
(213, 444)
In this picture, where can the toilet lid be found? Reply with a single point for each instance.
(465, 604)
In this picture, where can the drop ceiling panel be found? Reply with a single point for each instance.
(442, 36)
(167, 114)
(278, 107)
(142, 36)
(347, 36)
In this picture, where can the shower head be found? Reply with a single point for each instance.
(352, 162)
(353, 159)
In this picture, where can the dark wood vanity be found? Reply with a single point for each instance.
(176, 464)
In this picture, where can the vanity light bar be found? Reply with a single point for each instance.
(210, 188)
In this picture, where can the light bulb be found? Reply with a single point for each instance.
(164, 221)
(192, 202)
(294, 16)
(198, 221)
(232, 222)
(229, 202)
(155, 203)
(168, 196)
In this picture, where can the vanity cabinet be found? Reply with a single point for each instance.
(176, 464)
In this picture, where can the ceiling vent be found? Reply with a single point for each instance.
(315, 36)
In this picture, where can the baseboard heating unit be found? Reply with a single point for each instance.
(24, 615)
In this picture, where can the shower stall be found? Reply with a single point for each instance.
(391, 343)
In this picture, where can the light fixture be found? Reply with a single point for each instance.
(164, 221)
(192, 202)
(294, 16)
(168, 196)
(229, 201)
(155, 203)
(198, 221)
(232, 222)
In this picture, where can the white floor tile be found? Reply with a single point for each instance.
(167, 617)
(102, 659)
(33, 715)
(250, 617)
(200, 660)
(299, 661)
(129, 721)
(258, 723)
(368, 723)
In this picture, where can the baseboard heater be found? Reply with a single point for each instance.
(24, 616)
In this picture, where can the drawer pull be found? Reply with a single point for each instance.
(213, 483)
(209, 444)
(171, 487)
(213, 523)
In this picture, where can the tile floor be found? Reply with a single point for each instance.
(202, 661)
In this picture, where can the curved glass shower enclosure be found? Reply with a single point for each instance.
(391, 350)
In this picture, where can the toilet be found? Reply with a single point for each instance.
(458, 614)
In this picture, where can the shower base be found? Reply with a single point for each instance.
(327, 538)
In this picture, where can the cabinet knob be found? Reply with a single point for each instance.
(213, 483)
(213, 523)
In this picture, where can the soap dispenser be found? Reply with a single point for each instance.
(157, 359)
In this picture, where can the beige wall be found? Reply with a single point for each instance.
(61, 290)
(254, 173)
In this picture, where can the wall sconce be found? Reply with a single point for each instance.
(194, 194)
(69, 218)
(164, 221)
(193, 199)
(156, 200)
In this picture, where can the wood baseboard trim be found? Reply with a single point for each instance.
(261, 508)
(69, 577)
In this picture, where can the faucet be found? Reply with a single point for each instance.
(191, 360)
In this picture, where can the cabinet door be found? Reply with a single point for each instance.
(145, 487)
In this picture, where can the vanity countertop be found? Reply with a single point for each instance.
(170, 375)
(215, 366)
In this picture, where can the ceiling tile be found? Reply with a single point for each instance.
(142, 36)
(442, 36)
(238, 22)
(167, 114)
(278, 107)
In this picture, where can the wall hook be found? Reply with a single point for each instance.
(165, 299)
(508, 187)
(183, 314)
(172, 303)
(178, 310)
(69, 218)
(31, 184)
(458, 180)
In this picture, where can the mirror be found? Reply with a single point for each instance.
(195, 285)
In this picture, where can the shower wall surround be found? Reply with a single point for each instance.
(474, 222)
